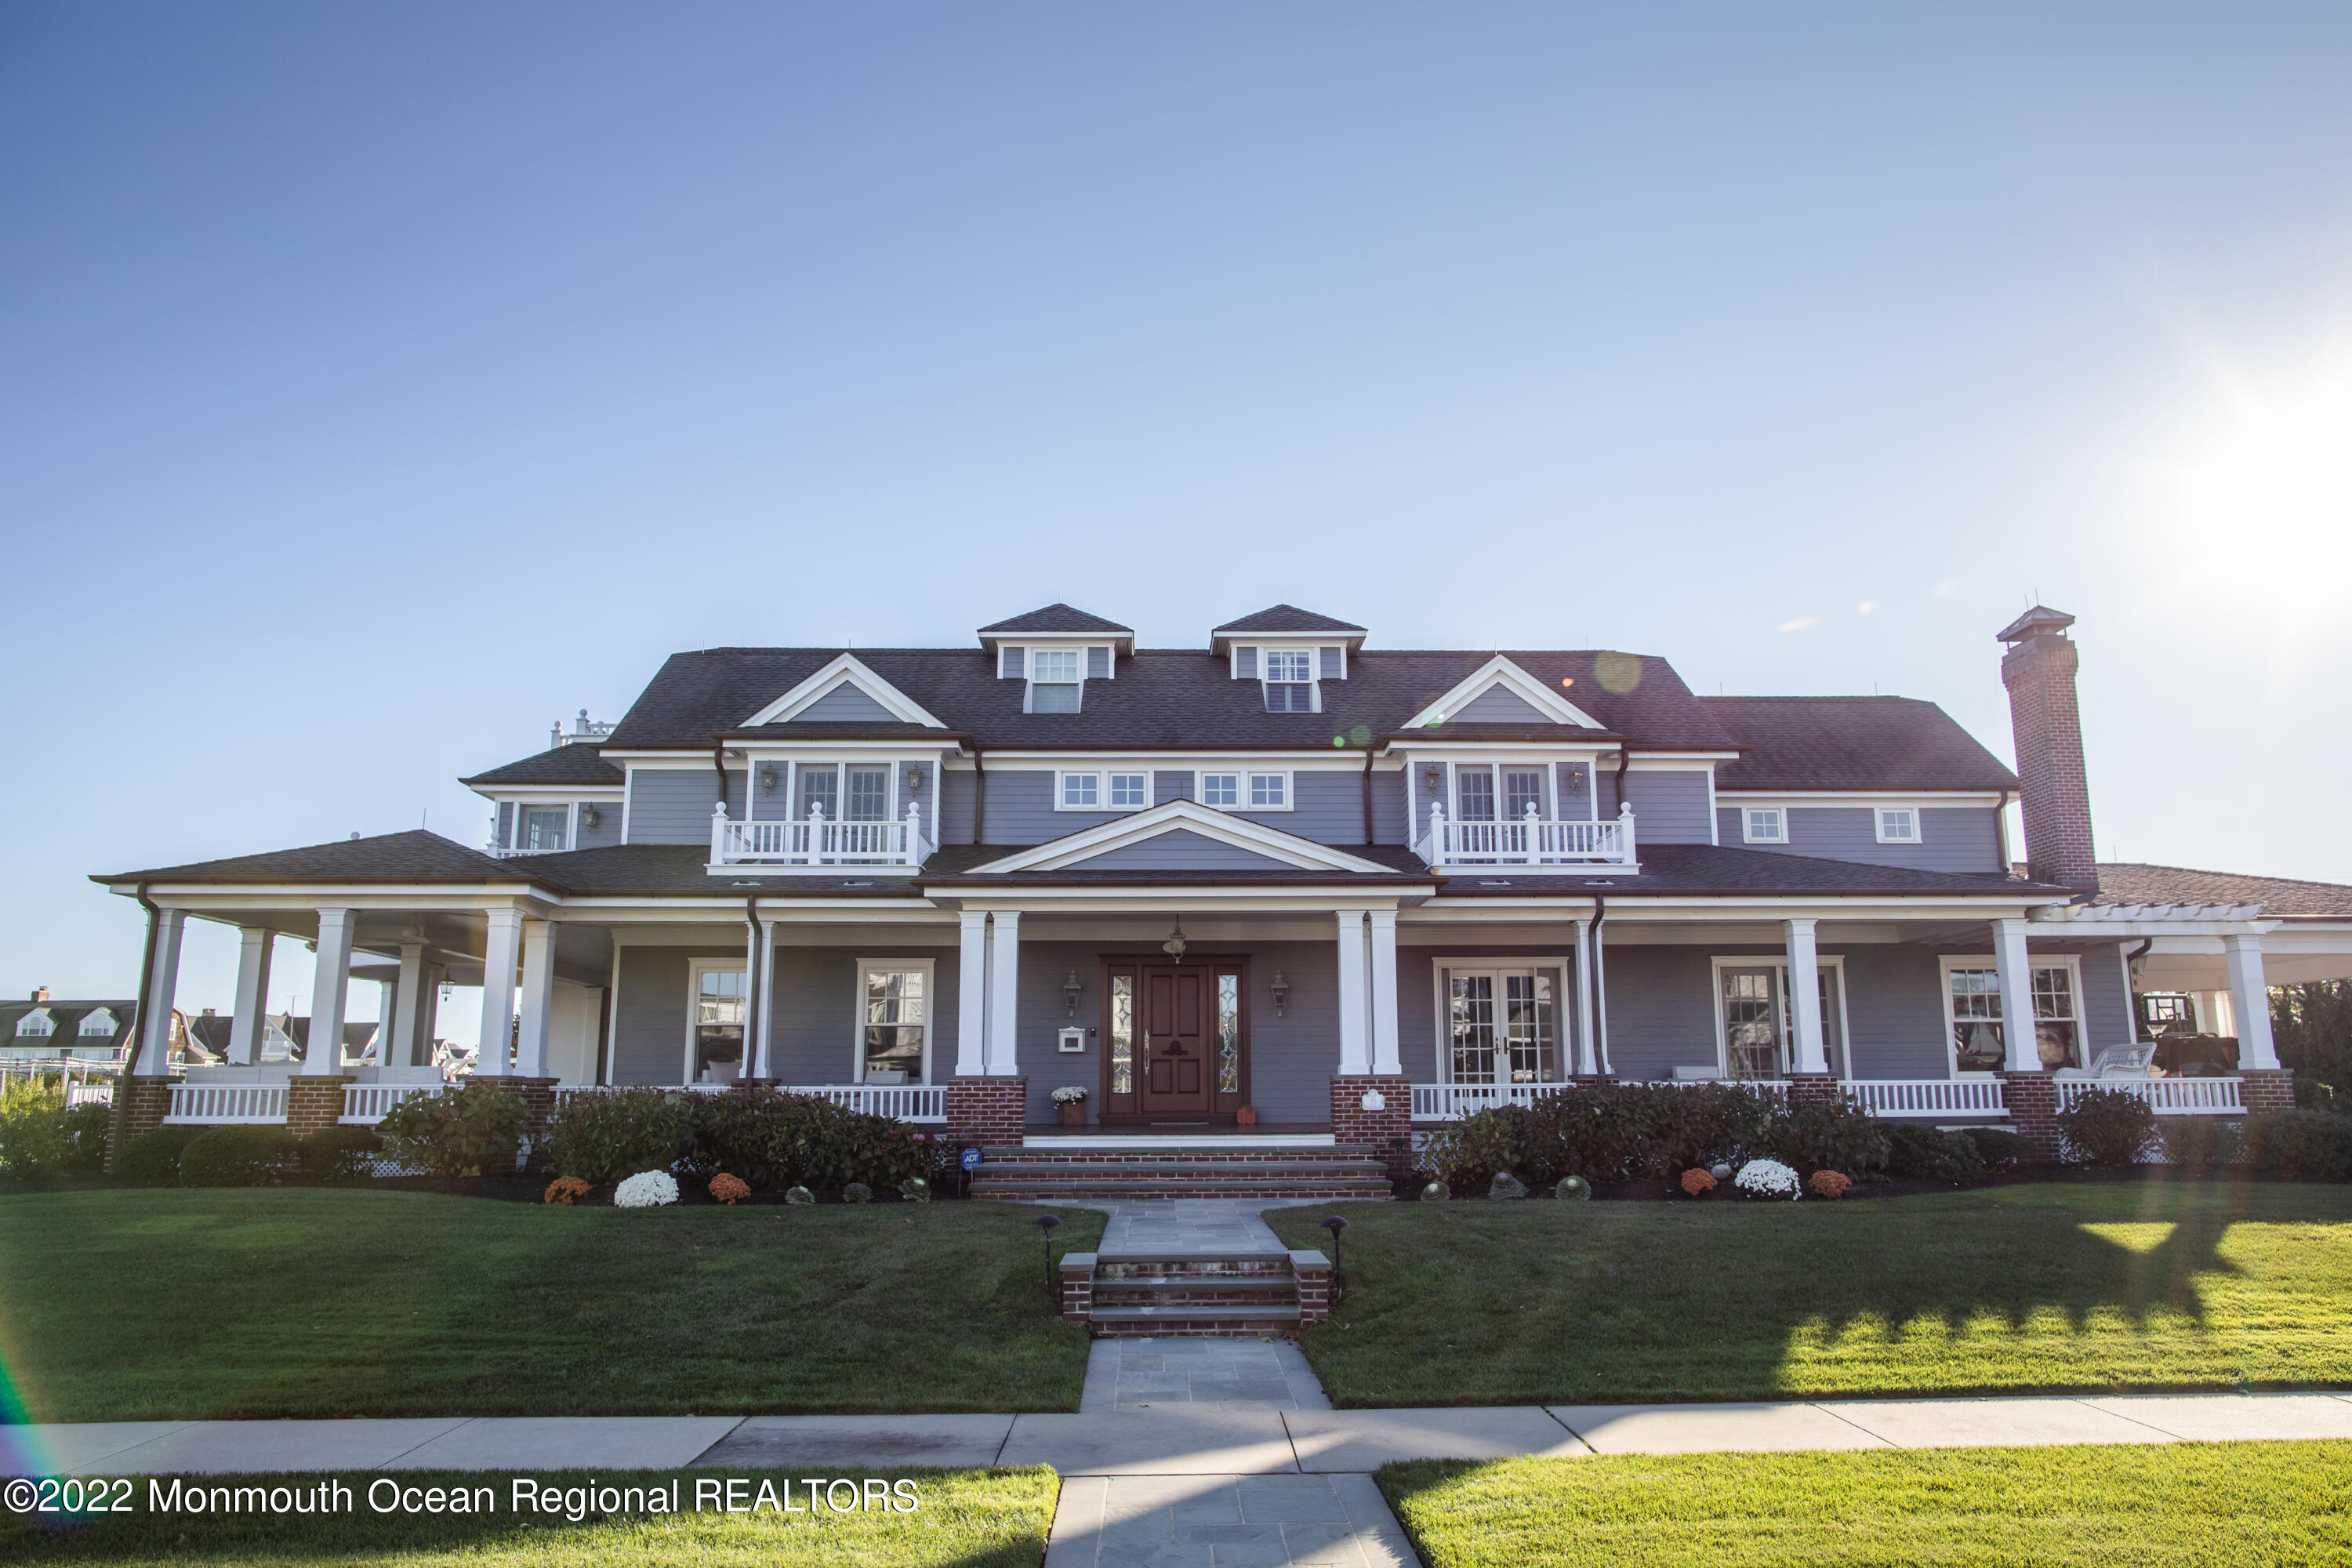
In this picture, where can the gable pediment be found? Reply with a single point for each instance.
(1500, 692)
(1183, 836)
(845, 690)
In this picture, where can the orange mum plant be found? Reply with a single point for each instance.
(564, 1189)
(727, 1188)
(1698, 1182)
(1830, 1183)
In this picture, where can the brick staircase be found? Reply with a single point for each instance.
(1033, 1173)
(1193, 1295)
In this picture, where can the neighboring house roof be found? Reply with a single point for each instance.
(2124, 882)
(1057, 617)
(1286, 618)
(413, 856)
(1708, 869)
(65, 1024)
(1850, 743)
(562, 765)
(357, 1037)
(1159, 698)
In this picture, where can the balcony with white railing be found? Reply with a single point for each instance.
(1533, 843)
(817, 841)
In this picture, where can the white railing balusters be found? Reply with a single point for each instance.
(818, 841)
(2165, 1096)
(1533, 843)
(366, 1104)
(1979, 1094)
(225, 1104)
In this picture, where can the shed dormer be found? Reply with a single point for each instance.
(1054, 652)
(1289, 652)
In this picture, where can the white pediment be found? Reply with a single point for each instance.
(1183, 836)
(827, 686)
(1499, 687)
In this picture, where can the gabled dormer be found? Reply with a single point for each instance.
(1053, 652)
(1500, 692)
(1290, 653)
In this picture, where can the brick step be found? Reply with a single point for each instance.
(1226, 1173)
(994, 1153)
(1336, 1192)
(1139, 1292)
(1267, 1313)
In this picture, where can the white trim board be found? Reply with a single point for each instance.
(1500, 671)
(1209, 822)
(848, 667)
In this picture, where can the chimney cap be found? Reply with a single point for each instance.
(2036, 621)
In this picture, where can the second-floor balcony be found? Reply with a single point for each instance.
(817, 840)
(1531, 843)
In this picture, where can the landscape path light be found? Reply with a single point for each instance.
(1049, 1223)
(1335, 1225)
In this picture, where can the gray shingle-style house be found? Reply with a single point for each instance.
(1344, 888)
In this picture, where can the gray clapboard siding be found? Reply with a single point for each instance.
(1669, 806)
(1010, 663)
(1326, 806)
(1021, 809)
(1388, 807)
(1170, 783)
(813, 1017)
(1951, 837)
(1661, 1010)
(1496, 705)
(1180, 850)
(672, 806)
(506, 823)
(1246, 666)
(1575, 798)
(2107, 1015)
(607, 831)
(649, 1014)
(1098, 664)
(963, 790)
(844, 704)
(1327, 664)
(1893, 1012)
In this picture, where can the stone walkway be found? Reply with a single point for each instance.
(1190, 1224)
(1217, 1375)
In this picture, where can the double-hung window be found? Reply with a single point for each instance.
(715, 1026)
(539, 829)
(1898, 825)
(1764, 825)
(893, 1020)
(1972, 1008)
(1054, 680)
(1130, 792)
(1289, 681)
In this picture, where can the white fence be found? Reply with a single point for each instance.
(1532, 843)
(364, 1104)
(818, 842)
(2167, 1096)
(912, 1102)
(225, 1104)
(1450, 1101)
(1976, 1095)
(90, 1094)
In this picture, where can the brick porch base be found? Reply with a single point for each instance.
(1386, 1127)
(2033, 1101)
(987, 1111)
(144, 1102)
(314, 1104)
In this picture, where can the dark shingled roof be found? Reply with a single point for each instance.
(1708, 869)
(1286, 618)
(414, 856)
(2124, 883)
(1159, 697)
(1850, 743)
(562, 765)
(1057, 617)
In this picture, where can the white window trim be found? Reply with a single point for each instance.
(1029, 659)
(1150, 788)
(1778, 963)
(1747, 834)
(1919, 824)
(930, 966)
(739, 964)
(1563, 1004)
(1550, 812)
(2068, 961)
(115, 1024)
(45, 1016)
(1314, 682)
(795, 770)
(1242, 806)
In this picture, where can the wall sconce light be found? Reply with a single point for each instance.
(588, 816)
(1070, 990)
(1281, 990)
(1434, 777)
(1576, 778)
(767, 778)
(914, 780)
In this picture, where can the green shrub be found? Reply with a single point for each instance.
(2202, 1142)
(2108, 1127)
(1472, 1151)
(474, 1128)
(238, 1157)
(81, 1136)
(154, 1155)
(1932, 1154)
(2302, 1145)
(2310, 1094)
(341, 1151)
(2001, 1145)
(606, 1136)
(774, 1140)
(1611, 1133)
(32, 1112)
(1838, 1136)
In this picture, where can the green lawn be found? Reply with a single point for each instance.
(963, 1519)
(2190, 1503)
(163, 1303)
(2057, 1287)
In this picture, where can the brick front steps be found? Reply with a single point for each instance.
(1192, 1295)
(1117, 1175)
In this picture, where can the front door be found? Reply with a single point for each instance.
(1177, 1076)
(1175, 1039)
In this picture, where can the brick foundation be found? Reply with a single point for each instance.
(1813, 1088)
(2033, 1101)
(142, 1104)
(314, 1104)
(2267, 1089)
(1313, 1272)
(989, 1111)
(1387, 1131)
(1078, 1286)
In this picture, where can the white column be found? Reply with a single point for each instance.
(428, 1016)
(330, 979)
(1600, 999)
(2250, 999)
(971, 994)
(154, 1054)
(387, 1010)
(1003, 995)
(1385, 1059)
(762, 1056)
(1355, 1032)
(1808, 1052)
(2016, 974)
(408, 1040)
(501, 945)
(253, 955)
(538, 997)
(1585, 1064)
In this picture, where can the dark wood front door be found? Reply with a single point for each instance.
(1178, 1064)
(1175, 1039)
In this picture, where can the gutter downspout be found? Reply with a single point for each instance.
(1625, 761)
(1600, 986)
(752, 1032)
(1368, 797)
(121, 1105)
(2130, 1006)
(718, 761)
(979, 793)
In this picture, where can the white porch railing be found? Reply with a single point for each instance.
(364, 1104)
(1977, 1094)
(90, 1094)
(1451, 1101)
(909, 1102)
(225, 1104)
(1532, 844)
(816, 841)
(2165, 1096)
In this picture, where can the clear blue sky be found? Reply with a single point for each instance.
(378, 382)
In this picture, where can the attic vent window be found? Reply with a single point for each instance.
(1054, 680)
(1289, 681)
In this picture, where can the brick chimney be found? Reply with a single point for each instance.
(41, 994)
(2039, 670)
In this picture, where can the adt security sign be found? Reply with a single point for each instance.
(971, 1159)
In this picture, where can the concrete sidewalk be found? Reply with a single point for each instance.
(1170, 1439)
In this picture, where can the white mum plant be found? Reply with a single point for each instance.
(645, 1190)
(1069, 1094)
(1768, 1178)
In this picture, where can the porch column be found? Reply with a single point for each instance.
(538, 997)
(1587, 1063)
(153, 1058)
(760, 1057)
(501, 945)
(1385, 1059)
(253, 955)
(1810, 1054)
(2016, 977)
(407, 1040)
(2250, 999)
(1355, 1035)
(971, 994)
(387, 1016)
(330, 979)
(1004, 988)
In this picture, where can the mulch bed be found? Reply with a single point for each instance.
(1409, 1191)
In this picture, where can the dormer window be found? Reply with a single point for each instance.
(1289, 681)
(1053, 674)
(99, 1022)
(36, 1025)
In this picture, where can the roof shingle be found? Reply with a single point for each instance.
(1850, 743)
